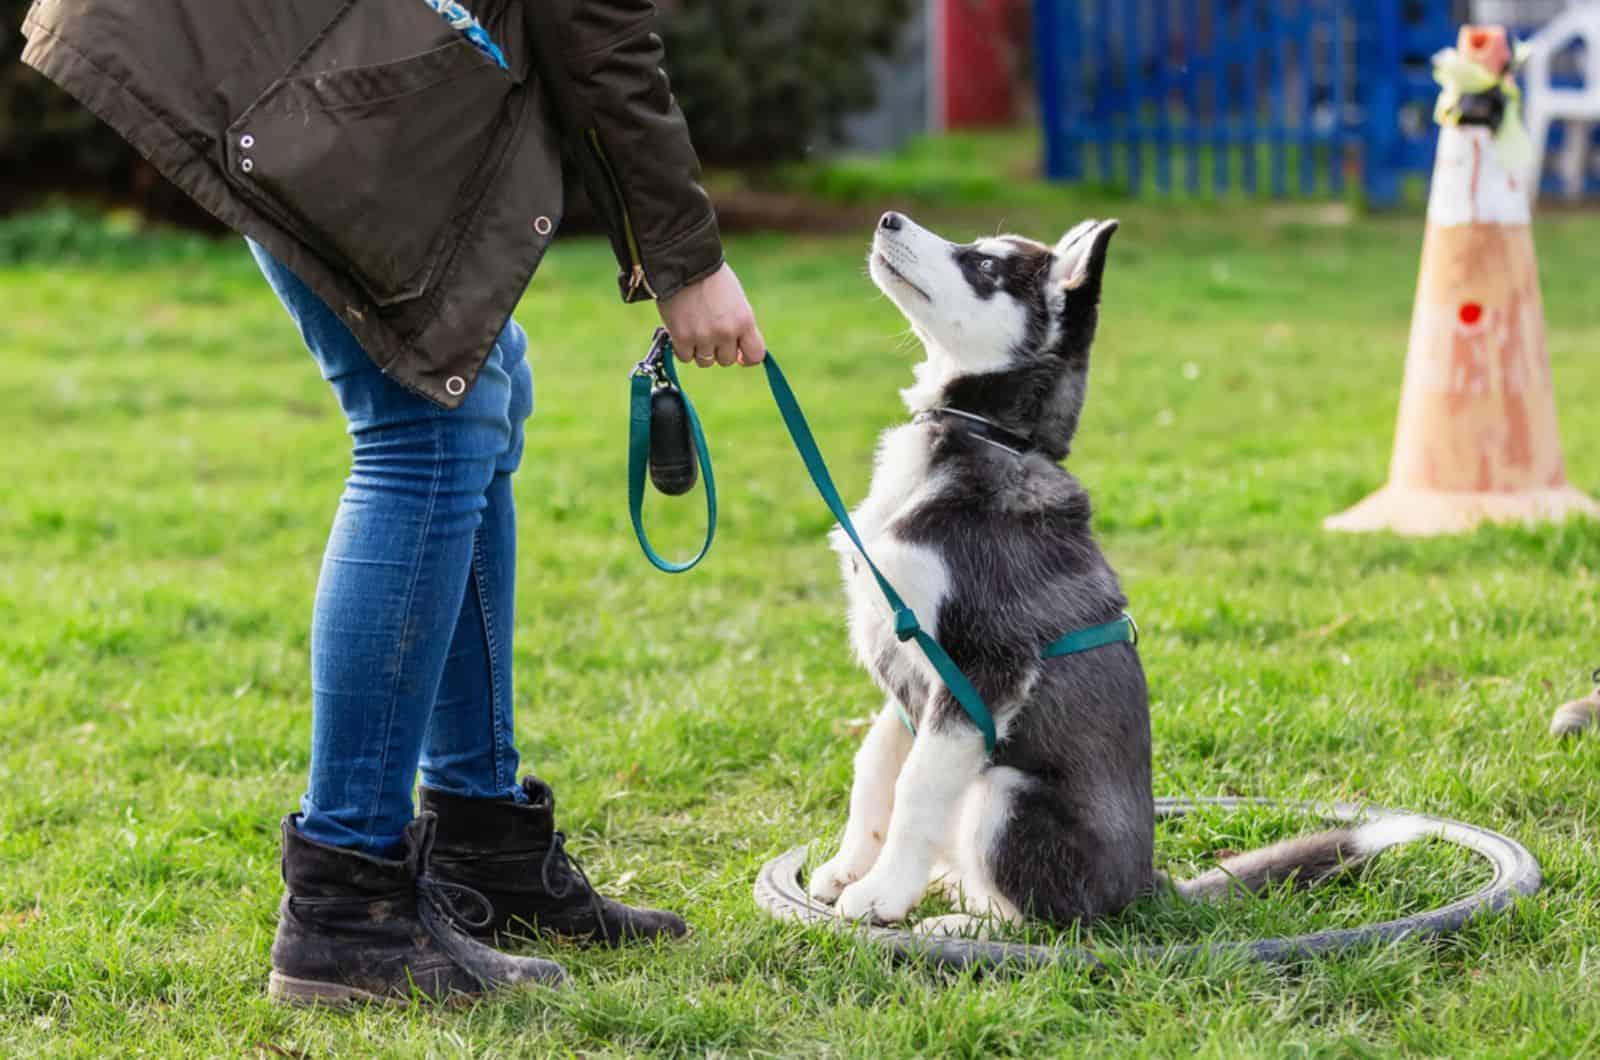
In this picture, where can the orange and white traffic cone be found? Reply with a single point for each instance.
(1477, 437)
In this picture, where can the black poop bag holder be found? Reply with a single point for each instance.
(673, 469)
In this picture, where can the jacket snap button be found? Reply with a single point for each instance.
(247, 141)
(247, 165)
(455, 386)
(542, 225)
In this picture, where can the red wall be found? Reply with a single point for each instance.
(978, 46)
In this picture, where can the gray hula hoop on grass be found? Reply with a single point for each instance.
(779, 892)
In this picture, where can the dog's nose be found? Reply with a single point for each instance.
(892, 222)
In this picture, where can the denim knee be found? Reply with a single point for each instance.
(513, 345)
(486, 430)
(383, 416)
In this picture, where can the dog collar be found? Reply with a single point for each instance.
(980, 428)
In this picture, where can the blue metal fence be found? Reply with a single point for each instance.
(1281, 96)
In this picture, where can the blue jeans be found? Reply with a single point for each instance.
(411, 632)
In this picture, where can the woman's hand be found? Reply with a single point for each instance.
(711, 322)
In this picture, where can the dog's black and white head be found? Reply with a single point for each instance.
(1007, 322)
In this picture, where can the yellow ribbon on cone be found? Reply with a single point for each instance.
(1459, 76)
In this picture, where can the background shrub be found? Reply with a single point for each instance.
(765, 81)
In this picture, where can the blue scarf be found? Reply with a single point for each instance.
(461, 19)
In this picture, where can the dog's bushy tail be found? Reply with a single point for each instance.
(1304, 860)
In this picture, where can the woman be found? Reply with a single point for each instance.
(398, 176)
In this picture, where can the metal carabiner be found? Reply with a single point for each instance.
(654, 363)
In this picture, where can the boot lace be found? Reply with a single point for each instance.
(558, 858)
(447, 897)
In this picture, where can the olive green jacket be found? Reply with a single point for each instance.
(402, 173)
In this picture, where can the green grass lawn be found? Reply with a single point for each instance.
(172, 461)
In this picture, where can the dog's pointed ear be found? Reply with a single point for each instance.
(1081, 255)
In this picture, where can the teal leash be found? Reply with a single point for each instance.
(906, 627)
(657, 370)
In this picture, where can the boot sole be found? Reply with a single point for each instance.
(287, 990)
(523, 933)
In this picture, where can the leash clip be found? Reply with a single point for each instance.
(654, 366)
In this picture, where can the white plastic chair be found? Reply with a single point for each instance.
(1545, 103)
(1514, 12)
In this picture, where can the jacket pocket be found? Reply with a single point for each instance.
(367, 165)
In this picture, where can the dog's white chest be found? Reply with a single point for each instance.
(900, 482)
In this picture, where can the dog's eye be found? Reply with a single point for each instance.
(986, 266)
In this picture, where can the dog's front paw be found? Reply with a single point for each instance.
(880, 897)
(839, 872)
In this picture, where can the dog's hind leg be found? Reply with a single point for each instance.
(878, 764)
(985, 813)
(945, 760)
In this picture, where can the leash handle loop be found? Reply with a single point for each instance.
(656, 370)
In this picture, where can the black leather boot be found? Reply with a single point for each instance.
(354, 928)
(512, 854)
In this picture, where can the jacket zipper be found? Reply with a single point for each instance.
(637, 278)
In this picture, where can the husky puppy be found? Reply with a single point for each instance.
(971, 517)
